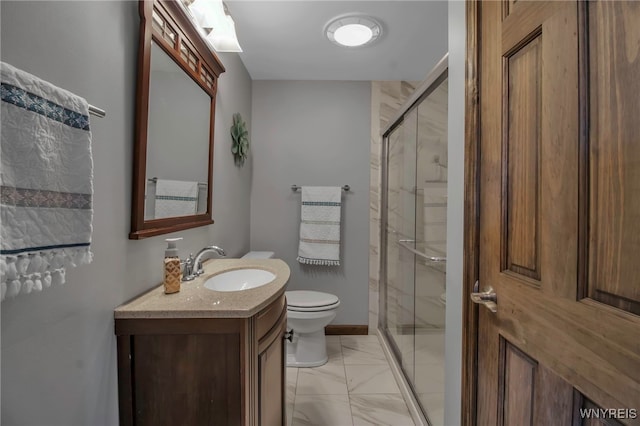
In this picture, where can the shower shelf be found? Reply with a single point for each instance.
(404, 244)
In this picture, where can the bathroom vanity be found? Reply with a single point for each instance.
(205, 357)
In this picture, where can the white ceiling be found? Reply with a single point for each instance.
(284, 40)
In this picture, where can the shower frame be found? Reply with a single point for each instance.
(431, 82)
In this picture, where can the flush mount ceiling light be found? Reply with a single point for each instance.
(353, 30)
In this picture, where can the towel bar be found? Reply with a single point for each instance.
(294, 188)
(96, 111)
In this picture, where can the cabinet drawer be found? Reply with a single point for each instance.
(268, 316)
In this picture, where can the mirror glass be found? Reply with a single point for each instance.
(175, 113)
(177, 141)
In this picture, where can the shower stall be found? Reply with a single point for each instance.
(414, 241)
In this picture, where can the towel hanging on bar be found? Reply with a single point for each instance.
(46, 185)
(320, 226)
(175, 198)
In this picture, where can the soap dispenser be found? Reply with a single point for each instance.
(172, 274)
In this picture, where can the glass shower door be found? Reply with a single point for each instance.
(431, 243)
(401, 221)
(415, 245)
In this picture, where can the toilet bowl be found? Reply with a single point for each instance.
(308, 313)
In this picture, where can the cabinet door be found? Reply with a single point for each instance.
(186, 379)
(271, 377)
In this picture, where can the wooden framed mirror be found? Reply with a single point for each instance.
(175, 116)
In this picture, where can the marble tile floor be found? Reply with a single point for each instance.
(356, 387)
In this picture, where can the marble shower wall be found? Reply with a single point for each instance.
(386, 98)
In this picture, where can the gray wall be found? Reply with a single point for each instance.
(455, 216)
(58, 346)
(313, 133)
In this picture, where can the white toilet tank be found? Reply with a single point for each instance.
(258, 255)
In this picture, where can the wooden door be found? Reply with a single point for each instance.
(559, 212)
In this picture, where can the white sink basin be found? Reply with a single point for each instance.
(239, 279)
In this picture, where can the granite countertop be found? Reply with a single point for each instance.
(195, 301)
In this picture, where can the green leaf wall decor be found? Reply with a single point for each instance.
(240, 137)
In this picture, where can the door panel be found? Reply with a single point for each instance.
(559, 222)
(614, 154)
(585, 405)
(516, 387)
(521, 144)
(554, 399)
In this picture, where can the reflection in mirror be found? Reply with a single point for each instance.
(177, 141)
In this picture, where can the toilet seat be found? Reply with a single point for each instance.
(311, 301)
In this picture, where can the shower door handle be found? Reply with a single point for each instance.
(488, 298)
(403, 244)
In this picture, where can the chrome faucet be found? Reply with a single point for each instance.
(187, 268)
(196, 263)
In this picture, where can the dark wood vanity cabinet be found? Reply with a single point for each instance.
(203, 371)
(271, 371)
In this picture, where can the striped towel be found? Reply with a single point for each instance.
(46, 183)
(176, 198)
(320, 226)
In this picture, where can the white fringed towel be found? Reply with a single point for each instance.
(320, 226)
(176, 198)
(46, 183)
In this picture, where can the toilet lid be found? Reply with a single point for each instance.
(308, 300)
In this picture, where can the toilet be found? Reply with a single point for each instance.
(308, 313)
